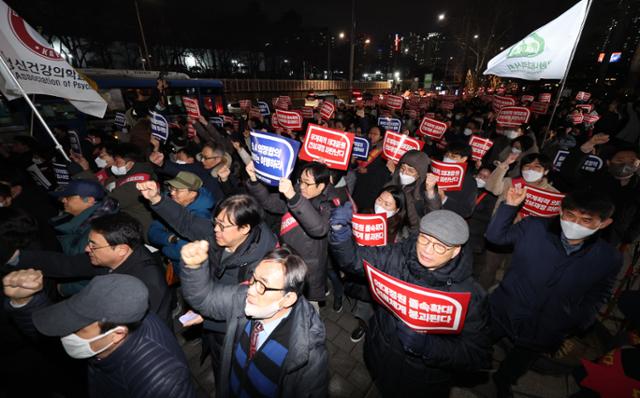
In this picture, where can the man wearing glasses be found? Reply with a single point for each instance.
(402, 361)
(238, 239)
(115, 246)
(275, 340)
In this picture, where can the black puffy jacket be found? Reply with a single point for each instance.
(430, 358)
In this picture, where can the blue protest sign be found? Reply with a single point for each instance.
(390, 124)
(592, 163)
(264, 108)
(217, 120)
(360, 148)
(62, 173)
(159, 126)
(120, 120)
(273, 156)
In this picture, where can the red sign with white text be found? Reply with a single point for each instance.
(450, 175)
(544, 97)
(394, 101)
(395, 145)
(289, 119)
(479, 147)
(327, 109)
(527, 98)
(576, 118)
(539, 107)
(539, 202)
(432, 128)
(513, 115)
(591, 119)
(423, 310)
(329, 146)
(585, 107)
(500, 102)
(191, 105)
(369, 229)
(307, 112)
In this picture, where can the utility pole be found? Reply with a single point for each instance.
(147, 59)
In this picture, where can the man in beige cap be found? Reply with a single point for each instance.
(186, 190)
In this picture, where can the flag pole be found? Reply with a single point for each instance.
(33, 107)
(566, 73)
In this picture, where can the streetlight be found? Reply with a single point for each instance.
(476, 36)
(367, 41)
(441, 17)
(341, 35)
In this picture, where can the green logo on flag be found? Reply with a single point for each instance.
(530, 46)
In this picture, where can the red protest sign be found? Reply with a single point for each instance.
(541, 203)
(576, 118)
(479, 147)
(395, 145)
(245, 104)
(583, 96)
(329, 146)
(369, 229)
(191, 105)
(289, 119)
(327, 109)
(527, 98)
(585, 107)
(432, 128)
(500, 102)
(450, 175)
(513, 115)
(394, 101)
(423, 310)
(544, 97)
(590, 119)
(191, 131)
(307, 112)
(539, 107)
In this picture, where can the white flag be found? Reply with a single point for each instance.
(544, 53)
(39, 68)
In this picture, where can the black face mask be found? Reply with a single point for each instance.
(622, 171)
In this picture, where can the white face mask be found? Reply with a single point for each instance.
(572, 230)
(180, 162)
(516, 150)
(381, 210)
(447, 159)
(468, 131)
(258, 312)
(512, 134)
(480, 182)
(101, 163)
(532, 175)
(79, 348)
(119, 171)
(406, 179)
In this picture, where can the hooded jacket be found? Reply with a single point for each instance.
(428, 358)
(414, 191)
(305, 370)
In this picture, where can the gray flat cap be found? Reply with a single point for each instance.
(113, 298)
(446, 226)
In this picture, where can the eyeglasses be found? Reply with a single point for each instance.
(93, 248)
(438, 247)
(261, 288)
(306, 184)
(201, 157)
(220, 225)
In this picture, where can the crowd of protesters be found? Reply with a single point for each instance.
(144, 231)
